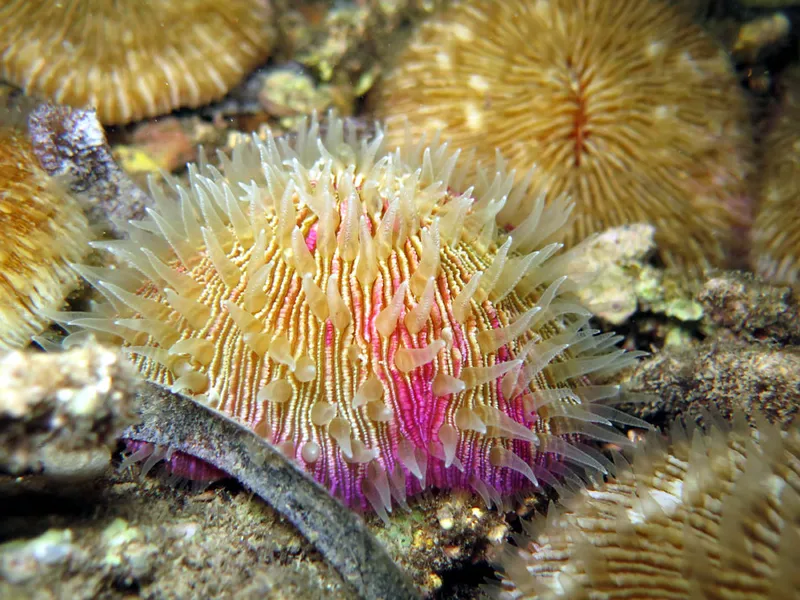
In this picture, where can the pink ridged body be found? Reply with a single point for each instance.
(375, 325)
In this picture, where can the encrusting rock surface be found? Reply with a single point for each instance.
(61, 414)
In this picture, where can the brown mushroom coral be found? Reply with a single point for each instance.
(776, 229)
(627, 106)
(715, 516)
(132, 59)
(42, 230)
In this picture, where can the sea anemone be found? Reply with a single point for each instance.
(42, 230)
(339, 299)
(135, 58)
(776, 229)
(628, 107)
(717, 515)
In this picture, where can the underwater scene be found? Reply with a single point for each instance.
(400, 299)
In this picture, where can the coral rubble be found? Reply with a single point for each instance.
(60, 414)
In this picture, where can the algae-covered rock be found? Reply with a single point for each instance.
(749, 362)
(721, 377)
(61, 413)
(622, 281)
(752, 309)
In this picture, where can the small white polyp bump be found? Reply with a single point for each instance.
(362, 454)
(339, 430)
(322, 413)
(251, 328)
(379, 412)
(491, 340)
(254, 296)
(195, 313)
(504, 426)
(448, 436)
(201, 350)
(348, 238)
(160, 331)
(386, 321)
(280, 350)
(367, 265)
(339, 313)
(287, 449)
(492, 273)
(418, 316)
(303, 259)
(245, 322)
(375, 487)
(502, 457)
(369, 391)
(310, 452)
(408, 456)
(228, 272)
(463, 298)
(315, 297)
(192, 381)
(476, 376)
(377, 475)
(467, 419)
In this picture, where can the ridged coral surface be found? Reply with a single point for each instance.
(716, 515)
(132, 59)
(42, 230)
(342, 301)
(628, 107)
(776, 231)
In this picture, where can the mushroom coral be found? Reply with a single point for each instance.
(775, 248)
(337, 297)
(42, 231)
(628, 107)
(132, 59)
(715, 515)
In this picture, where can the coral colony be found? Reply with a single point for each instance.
(359, 307)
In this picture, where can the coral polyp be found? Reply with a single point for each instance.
(342, 301)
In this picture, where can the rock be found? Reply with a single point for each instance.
(61, 413)
(23, 560)
(722, 377)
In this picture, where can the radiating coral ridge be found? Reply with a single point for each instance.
(715, 515)
(132, 59)
(627, 106)
(342, 301)
(42, 230)
(775, 252)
